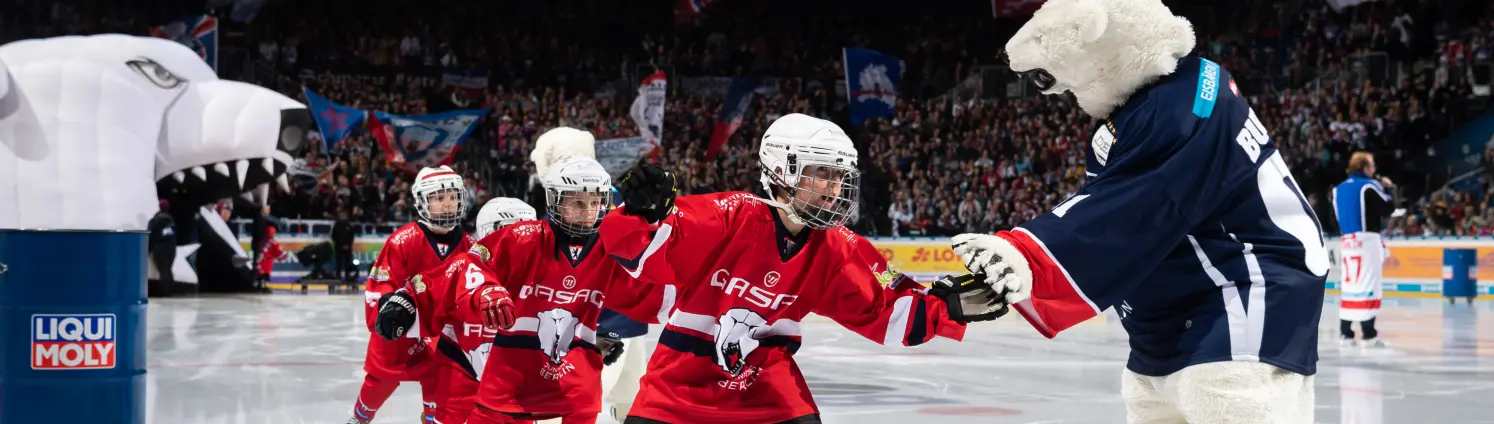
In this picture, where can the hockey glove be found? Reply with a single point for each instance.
(611, 349)
(648, 191)
(396, 315)
(968, 298)
(1005, 268)
(496, 308)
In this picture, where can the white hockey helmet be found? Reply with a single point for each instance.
(501, 212)
(560, 142)
(578, 193)
(433, 182)
(812, 163)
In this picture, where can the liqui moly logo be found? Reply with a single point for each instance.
(75, 342)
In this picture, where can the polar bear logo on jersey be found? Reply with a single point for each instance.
(479, 358)
(557, 327)
(95, 129)
(736, 338)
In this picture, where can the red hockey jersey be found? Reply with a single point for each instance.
(407, 252)
(550, 365)
(726, 353)
(443, 296)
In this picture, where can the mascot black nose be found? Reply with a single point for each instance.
(1039, 77)
(294, 124)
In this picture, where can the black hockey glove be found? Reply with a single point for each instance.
(969, 298)
(396, 315)
(647, 191)
(610, 347)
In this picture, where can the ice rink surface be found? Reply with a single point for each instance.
(298, 359)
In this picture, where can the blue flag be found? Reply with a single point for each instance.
(872, 79)
(419, 141)
(333, 121)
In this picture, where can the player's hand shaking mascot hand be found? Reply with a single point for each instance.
(94, 131)
(1190, 225)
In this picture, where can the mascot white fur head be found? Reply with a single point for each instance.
(558, 143)
(92, 127)
(1101, 50)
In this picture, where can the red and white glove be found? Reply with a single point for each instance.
(496, 307)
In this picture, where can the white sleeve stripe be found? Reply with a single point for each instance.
(667, 304)
(897, 324)
(1061, 268)
(661, 236)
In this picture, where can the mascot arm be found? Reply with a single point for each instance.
(1095, 248)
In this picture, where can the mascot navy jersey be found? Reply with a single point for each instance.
(1241, 279)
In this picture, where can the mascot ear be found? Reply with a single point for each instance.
(1088, 20)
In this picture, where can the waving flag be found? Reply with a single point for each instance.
(618, 155)
(648, 108)
(200, 33)
(333, 121)
(419, 141)
(872, 79)
(738, 97)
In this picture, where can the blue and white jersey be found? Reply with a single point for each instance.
(1361, 204)
(1192, 227)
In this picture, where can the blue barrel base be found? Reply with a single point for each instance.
(72, 327)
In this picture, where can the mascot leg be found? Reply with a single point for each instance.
(1239, 392)
(1146, 401)
(80, 295)
(626, 372)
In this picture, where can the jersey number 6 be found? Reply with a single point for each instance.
(474, 276)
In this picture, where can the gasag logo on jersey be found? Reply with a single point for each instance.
(72, 341)
(562, 297)
(735, 286)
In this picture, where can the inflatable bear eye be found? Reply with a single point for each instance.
(157, 74)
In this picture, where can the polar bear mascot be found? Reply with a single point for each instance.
(1190, 225)
(94, 131)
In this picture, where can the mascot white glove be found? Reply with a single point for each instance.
(1005, 268)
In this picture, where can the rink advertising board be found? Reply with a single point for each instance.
(72, 341)
(1414, 265)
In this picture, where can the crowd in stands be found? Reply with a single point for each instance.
(1384, 76)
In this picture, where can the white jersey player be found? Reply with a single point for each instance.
(1361, 204)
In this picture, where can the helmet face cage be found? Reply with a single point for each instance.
(578, 213)
(448, 219)
(821, 196)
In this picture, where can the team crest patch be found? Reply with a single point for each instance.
(419, 284)
(888, 276)
(381, 274)
(481, 252)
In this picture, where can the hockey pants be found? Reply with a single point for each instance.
(1231, 392)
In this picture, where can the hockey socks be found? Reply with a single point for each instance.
(372, 396)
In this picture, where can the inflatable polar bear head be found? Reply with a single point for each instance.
(94, 129)
(1101, 50)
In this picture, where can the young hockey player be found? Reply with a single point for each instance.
(451, 312)
(499, 213)
(559, 277)
(413, 248)
(750, 268)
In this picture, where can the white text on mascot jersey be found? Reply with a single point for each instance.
(734, 286)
